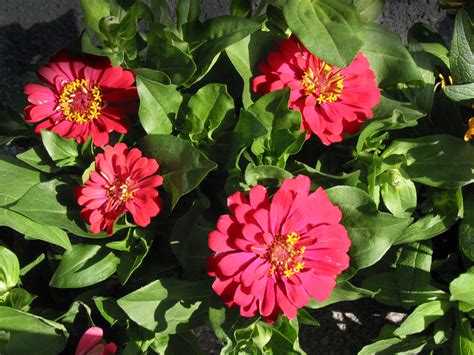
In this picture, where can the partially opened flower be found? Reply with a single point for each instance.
(84, 96)
(123, 181)
(271, 256)
(332, 100)
(91, 343)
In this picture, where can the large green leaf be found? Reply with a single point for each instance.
(462, 46)
(422, 317)
(84, 265)
(53, 203)
(38, 158)
(217, 34)
(438, 161)
(210, 111)
(182, 166)
(167, 306)
(34, 230)
(462, 287)
(389, 59)
(461, 93)
(31, 334)
(61, 150)
(398, 193)
(246, 54)
(463, 340)
(343, 292)
(9, 269)
(369, 9)
(159, 105)
(409, 345)
(339, 28)
(371, 232)
(16, 178)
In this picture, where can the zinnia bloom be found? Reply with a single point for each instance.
(85, 97)
(272, 255)
(122, 181)
(91, 343)
(332, 100)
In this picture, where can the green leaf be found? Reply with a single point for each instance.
(159, 105)
(189, 237)
(266, 174)
(426, 44)
(9, 270)
(422, 317)
(466, 228)
(13, 170)
(462, 287)
(284, 136)
(127, 27)
(182, 166)
(162, 13)
(62, 151)
(284, 336)
(94, 11)
(398, 193)
(324, 179)
(409, 345)
(242, 8)
(34, 230)
(187, 12)
(28, 332)
(217, 34)
(344, 291)
(167, 306)
(38, 158)
(437, 161)
(131, 260)
(461, 93)
(84, 265)
(412, 274)
(53, 203)
(338, 25)
(369, 9)
(462, 46)
(463, 341)
(210, 110)
(372, 233)
(444, 209)
(20, 299)
(247, 53)
(388, 58)
(169, 59)
(388, 115)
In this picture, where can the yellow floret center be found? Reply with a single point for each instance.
(80, 102)
(284, 256)
(324, 83)
(120, 191)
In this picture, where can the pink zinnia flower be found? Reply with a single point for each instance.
(86, 97)
(122, 181)
(272, 255)
(91, 343)
(332, 100)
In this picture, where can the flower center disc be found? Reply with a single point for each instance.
(80, 102)
(119, 191)
(324, 83)
(284, 256)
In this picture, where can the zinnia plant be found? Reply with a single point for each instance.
(239, 177)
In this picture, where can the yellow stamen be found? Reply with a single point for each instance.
(326, 85)
(283, 255)
(80, 102)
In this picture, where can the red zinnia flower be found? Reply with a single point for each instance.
(91, 343)
(122, 181)
(271, 256)
(331, 100)
(86, 96)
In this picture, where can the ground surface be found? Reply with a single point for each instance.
(32, 30)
